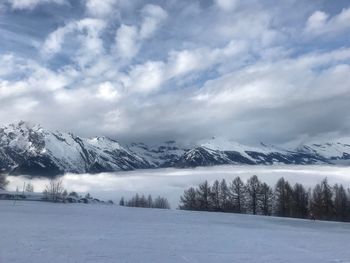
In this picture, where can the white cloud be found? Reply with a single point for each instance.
(31, 4)
(272, 85)
(100, 8)
(320, 23)
(317, 21)
(107, 91)
(128, 39)
(146, 78)
(88, 30)
(227, 5)
(151, 75)
(129, 69)
(54, 41)
(153, 16)
(25, 104)
(186, 61)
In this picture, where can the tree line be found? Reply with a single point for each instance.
(141, 201)
(323, 202)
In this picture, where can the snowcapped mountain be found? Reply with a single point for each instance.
(30, 149)
(218, 151)
(165, 154)
(335, 152)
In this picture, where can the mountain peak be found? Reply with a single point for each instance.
(26, 148)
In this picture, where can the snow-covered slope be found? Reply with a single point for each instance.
(218, 151)
(29, 149)
(165, 154)
(46, 232)
(335, 152)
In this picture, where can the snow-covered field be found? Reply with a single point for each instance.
(40, 232)
(172, 182)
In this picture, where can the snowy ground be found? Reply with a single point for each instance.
(42, 232)
(172, 182)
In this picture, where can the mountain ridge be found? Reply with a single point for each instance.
(31, 150)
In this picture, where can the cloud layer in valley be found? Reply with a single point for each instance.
(172, 182)
(152, 70)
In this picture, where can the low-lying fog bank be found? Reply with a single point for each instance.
(172, 182)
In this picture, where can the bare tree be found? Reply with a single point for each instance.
(161, 202)
(3, 181)
(29, 188)
(54, 190)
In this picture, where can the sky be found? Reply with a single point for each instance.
(251, 71)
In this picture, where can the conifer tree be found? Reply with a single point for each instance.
(265, 199)
(203, 195)
(253, 187)
(283, 198)
(328, 210)
(340, 203)
(122, 202)
(188, 201)
(316, 202)
(237, 194)
(224, 196)
(300, 201)
(149, 201)
(143, 202)
(215, 196)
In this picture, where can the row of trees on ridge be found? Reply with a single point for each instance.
(324, 201)
(142, 201)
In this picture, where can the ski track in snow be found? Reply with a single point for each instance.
(73, 233)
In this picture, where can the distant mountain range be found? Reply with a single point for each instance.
(31, 150)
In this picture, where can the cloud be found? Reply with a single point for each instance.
(227, 5)
(320, 23)
(103, 8)
(31, 4)
(153, 16)
(128, 39)
(107, 91)
(88, 33)
(152, 75)
(147, 72)
(146, 77)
